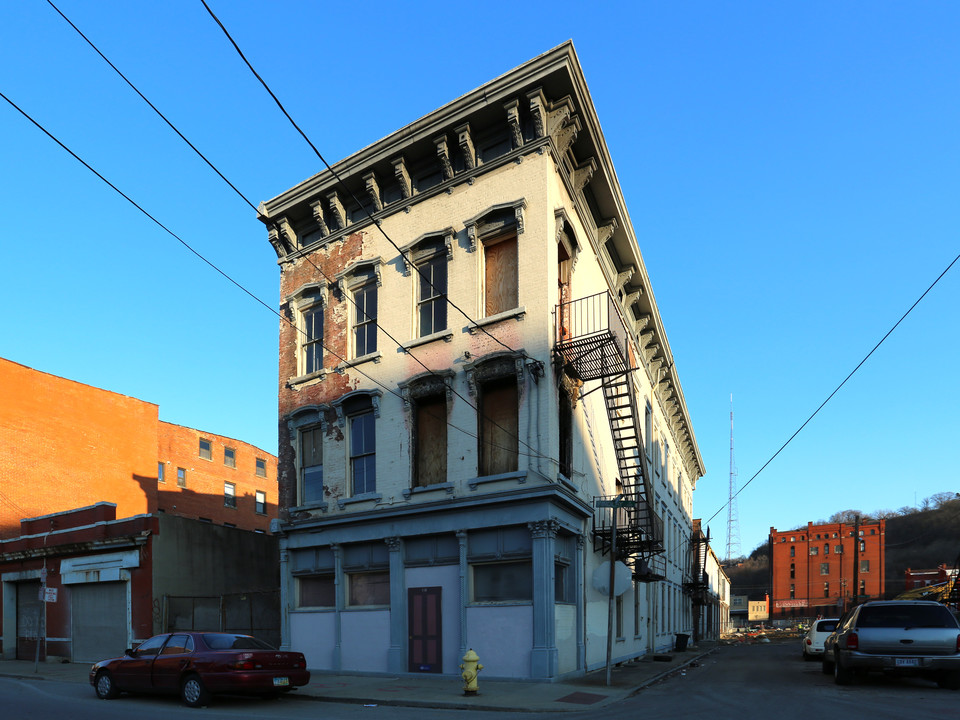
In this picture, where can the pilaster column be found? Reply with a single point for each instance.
(464, 590)
(544, 657)
(396, 655)
(286, 600)
(336, 660)
(581, 606)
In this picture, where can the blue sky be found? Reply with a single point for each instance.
(792, 172)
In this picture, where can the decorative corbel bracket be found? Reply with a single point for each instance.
(373, 190)
(443, 155)
(584, 174)
(513, 120)
(623, 278)
(317, 208)
(465, 140)
(337, 214)
(403, 177)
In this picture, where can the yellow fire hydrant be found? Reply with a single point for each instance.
(471, 667)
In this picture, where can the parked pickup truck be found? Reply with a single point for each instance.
(897, 637)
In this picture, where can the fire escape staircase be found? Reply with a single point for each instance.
(591, 345)
(698, 587)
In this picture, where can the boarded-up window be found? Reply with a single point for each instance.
(369, 588)
(430, 459)
(503, 582)
(317, 591)
(500, 273)
(498, 426)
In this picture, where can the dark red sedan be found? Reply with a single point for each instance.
(199, 664)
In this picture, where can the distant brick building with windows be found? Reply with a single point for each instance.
(820, 570)
(120, 514)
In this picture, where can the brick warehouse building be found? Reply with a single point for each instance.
(120, 513)
(448, 482)
(821, 569)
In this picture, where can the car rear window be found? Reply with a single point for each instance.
(933, 616)
(826, 626)
(226, 641)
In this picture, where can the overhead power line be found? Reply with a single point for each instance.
(152, 106)
(535, 453)
(837, 389)
(343, 185)
(228, 277)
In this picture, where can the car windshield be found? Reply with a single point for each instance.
(226, 641)
(826, 626)
(931, 616)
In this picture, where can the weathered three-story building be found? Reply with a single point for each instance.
(474, 381)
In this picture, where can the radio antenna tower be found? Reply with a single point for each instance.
(733, 520)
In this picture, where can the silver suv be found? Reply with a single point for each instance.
(901, 637)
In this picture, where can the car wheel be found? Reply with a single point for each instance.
(104, 686)
(193, 693)
(825, 665)
(841, 675)
(806, 656)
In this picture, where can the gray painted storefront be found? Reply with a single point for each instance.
(513, 639)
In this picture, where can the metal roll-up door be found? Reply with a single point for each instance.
(29, 619)
(99, 620)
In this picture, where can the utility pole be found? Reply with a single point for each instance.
(856, 560)
(615, 504)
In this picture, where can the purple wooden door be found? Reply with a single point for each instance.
(424, 629)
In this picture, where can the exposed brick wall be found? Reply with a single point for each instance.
(65, 445)
(808, 582)
(203, 496)
(330, 260)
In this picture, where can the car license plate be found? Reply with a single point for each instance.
(281, 682)
(908, 662)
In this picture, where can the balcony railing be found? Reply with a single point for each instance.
(591, 337)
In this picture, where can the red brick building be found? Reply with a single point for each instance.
(66, 445)
(820, 570)
(132, 525)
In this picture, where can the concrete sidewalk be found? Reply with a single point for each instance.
(445, 691)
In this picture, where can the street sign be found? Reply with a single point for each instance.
(49, 594)
(617, 503)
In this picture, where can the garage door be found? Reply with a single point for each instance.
(99, 620)
(29, 609)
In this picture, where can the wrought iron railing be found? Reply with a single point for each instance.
(591, 336)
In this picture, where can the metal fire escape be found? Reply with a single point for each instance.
(592, 345)
(698, 586)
